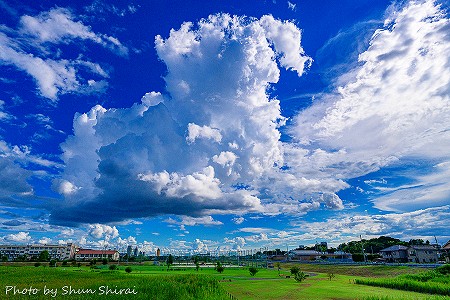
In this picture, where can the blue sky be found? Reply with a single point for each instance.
(200, 126)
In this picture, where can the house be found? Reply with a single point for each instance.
(396, 253)
(310, 255)
(446, 249)
(304, 255)
(58, 252)
(423, 254)
(414, 254)
(89, 254)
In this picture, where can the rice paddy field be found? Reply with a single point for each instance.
(22, 281)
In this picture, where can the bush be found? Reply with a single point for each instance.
(104, 261)
(113, 267)
(128, 269)
(52, 263)
(357, 257)
(219, 268)
(295, 270)
(253, 271)
(300, 276)
(37, 264)
(445, 269)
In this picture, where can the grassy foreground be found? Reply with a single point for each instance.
(83, 283)
(433, 282)
(316, 287)
(151, 282)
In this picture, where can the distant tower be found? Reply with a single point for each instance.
(158, 252)
(136, 251)
(129, 251)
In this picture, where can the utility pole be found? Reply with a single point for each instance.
(362, 246)
(287, 253)
(438, 248)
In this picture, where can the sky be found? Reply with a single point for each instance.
(198, 126)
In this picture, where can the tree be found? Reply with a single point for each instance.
(128, 269)
(300, 276)
(331, 276)
(4, 258)
(295, 270)
(169, 261)
(104, 261)
(278, 265)
(52, 263)
(372, 246)
(219, 268)
(253, 271)
(357, 257)
(44, 256)
(197, 263)
(416, 242)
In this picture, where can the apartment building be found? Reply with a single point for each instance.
(59, 252)
(89, 254)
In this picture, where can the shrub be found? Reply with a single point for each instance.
(295, 270)
(357, 257)
(113, 267)
(37, 264)
(52, 263)
(445, 269)
(104, 261)
(128, 269)
(253, 271)
(219, 268)
(300, 276)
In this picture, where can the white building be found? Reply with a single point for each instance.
(89, 254)
(59, 252)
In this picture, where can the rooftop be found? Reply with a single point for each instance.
(90, 251)
(394, 248)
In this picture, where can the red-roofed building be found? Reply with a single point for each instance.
(88, 254)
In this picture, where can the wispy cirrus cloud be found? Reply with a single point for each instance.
(33, 48)
(57, 26)
(389, 111)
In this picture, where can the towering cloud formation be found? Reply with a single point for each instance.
(211, 143)
(205, 146)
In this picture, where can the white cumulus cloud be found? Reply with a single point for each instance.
(190, 151)
(391, 110)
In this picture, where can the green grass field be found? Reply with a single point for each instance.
(152, 282)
